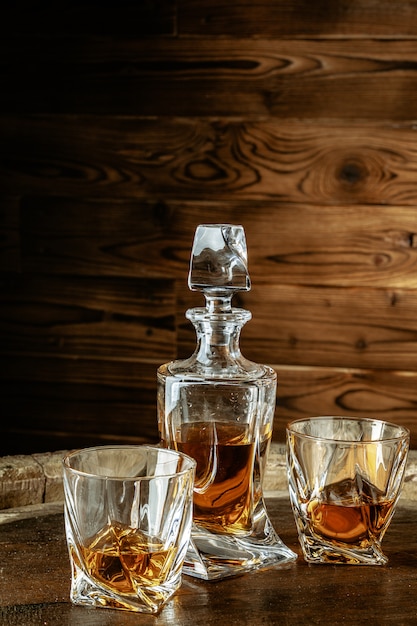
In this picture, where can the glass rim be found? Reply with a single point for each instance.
(403, 431)
(67, 457)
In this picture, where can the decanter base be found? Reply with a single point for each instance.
(212, 556)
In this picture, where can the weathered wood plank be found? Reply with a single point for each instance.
(30, 479)
(115, 409)
(129, 374)
(339, 327)
(381, 394)
(20, 440)
(288, 243)
(44, 415)
(115, 237)
(332, 78)
(269, 18)
(59, 403)
(280, 18)
(82, 316)
(324, 326)
(133, 158)
(22, 481)
(52, 406)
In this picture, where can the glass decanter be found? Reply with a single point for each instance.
(218, 407)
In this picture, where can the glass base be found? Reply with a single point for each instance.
(85, 591)
(212, 556)
(319, 551)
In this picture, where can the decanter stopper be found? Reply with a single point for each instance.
(219, 260)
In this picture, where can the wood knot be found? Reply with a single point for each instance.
(352, 172)
(393, 298)
(293, 341)
(205, 169)
(361, 345)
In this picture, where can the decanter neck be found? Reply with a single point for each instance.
(218, 334)
(219, 303)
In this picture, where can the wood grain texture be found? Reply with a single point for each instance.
(233, 18)
(381, 394)
(63, 403)
(55, 395)
(328, 327)
(342, 245)
(280, 18)
(74, 317)
(131, 158)
(102, 401)
(123, 128)
(382, 595)
(337, 79)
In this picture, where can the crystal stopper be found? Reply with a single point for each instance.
(219, 262)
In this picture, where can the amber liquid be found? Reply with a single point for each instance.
(342, 516)
(123, 559)
(223, 498)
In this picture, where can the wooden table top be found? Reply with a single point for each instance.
(35, 580)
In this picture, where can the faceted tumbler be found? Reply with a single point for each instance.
(345, 477)
(128, 514)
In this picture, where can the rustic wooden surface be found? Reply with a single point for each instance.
(123, 127)
(35, 574)
(245, 77)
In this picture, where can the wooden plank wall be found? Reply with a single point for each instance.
(125, 124)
